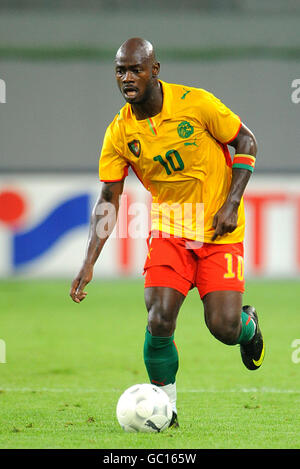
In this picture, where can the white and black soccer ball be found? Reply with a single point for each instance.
(144, 408)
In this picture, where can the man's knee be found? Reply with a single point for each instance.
(222, 311)
(225, 327)
(163, 306)
(160, 321)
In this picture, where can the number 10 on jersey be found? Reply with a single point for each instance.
(168, 163)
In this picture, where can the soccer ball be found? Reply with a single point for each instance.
(144, 408)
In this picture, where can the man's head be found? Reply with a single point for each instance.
(136, 70)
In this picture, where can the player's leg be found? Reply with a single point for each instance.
(169, 270)
(225, 318)
(163, 306)
(233, 324)
(222, 312)
(160, 351)
(220, 281)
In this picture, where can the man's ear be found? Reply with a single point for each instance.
(155, 69)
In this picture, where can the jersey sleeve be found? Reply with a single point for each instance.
(113, 166)
(218, 119)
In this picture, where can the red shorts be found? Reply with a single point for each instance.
(181, 264)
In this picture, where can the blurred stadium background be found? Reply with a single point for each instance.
(58, 95)
(67, 365)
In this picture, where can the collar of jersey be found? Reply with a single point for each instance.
(165, 112)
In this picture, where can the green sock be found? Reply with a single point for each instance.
(248, 329)
(161, 359)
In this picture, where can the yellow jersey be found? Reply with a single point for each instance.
(180, 155)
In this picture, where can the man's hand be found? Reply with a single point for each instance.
(79, 283)
(225, 220)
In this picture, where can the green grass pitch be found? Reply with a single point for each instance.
(67, 364)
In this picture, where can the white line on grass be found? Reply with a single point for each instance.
(239, 390)
(183, 391)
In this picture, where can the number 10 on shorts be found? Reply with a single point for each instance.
(231, 273)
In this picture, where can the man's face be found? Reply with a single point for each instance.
(134, 76)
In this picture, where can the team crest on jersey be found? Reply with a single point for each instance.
(185, 129)
(135, 147)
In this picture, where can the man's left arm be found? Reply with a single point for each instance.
(225, 220)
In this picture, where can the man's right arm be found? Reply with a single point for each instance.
(103, 220)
